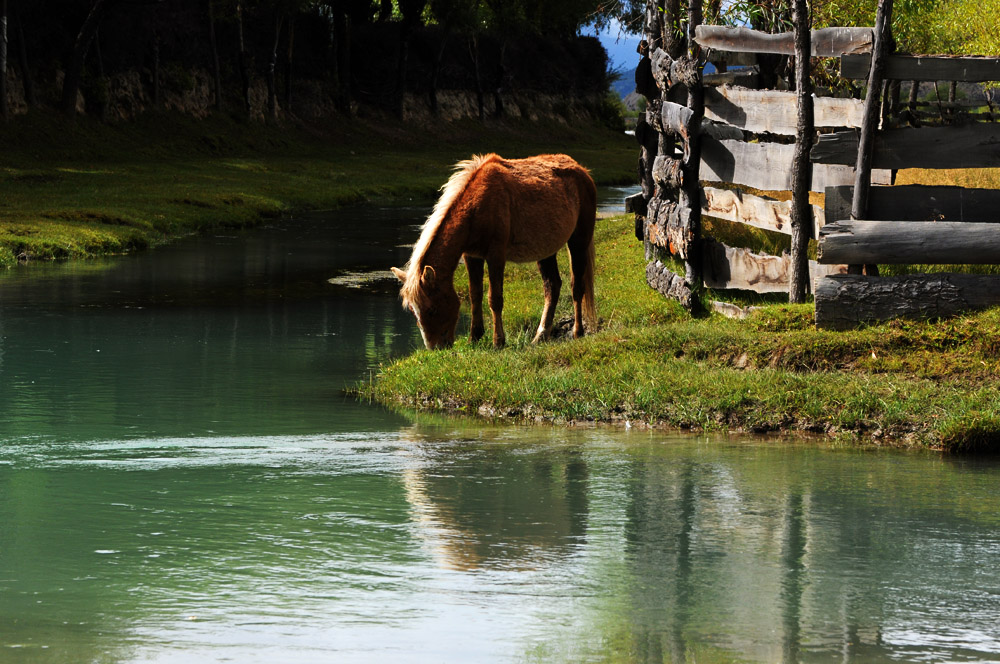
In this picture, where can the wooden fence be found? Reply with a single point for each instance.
(732, 149)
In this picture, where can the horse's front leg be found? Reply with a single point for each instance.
(475, 269)
(551, 284)
(496, 268)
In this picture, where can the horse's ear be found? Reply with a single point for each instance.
(399, 274)
(428, 274)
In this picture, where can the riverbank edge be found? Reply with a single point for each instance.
(89, 189)
(928, 385)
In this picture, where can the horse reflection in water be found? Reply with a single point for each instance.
(487, 511)
(493, 210)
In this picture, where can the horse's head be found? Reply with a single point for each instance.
(434, 302)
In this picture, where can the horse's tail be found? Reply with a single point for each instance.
(586, 224)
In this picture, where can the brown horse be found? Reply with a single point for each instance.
(493, 210)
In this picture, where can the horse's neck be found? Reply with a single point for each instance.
(446, 247)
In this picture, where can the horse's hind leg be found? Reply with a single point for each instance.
(581, 278)
(475, 269)
(551, 283)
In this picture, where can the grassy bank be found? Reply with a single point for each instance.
(903, 383)
(88, 189)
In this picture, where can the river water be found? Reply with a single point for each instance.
(182, 480)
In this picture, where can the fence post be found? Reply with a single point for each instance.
(802, 222)
(870, 120)
(690, 195)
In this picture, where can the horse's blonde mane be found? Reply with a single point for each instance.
(450, 191)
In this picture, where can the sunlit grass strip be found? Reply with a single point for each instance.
(930, 384)
(100, 189)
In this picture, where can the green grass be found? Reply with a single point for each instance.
(88, 189)
(902, 383)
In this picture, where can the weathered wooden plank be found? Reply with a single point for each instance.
(940, 242)
(827, 42)
(636, 204)
(668, 226)
(917, 203)
(767, 166)
(662, 279)
(730, 58)
(742, 77)
(676, 118)
(771, 111)
(667, 172)
(925, 68)
(737, 268)
(757, 211)
(967, 146)
(845, 301)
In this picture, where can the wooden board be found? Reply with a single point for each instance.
(757, 211)
(737, 268)
(662, 279)
(775, 112)
(746, 78)
(827, 42)
(767, 166)
(668, 226)
(925, 68)
(967, 146)
(941, 242)
(845, 301)
(917, 203)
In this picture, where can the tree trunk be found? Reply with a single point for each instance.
(436, 70)
(480, 96)
(243, 58)
(272, 65)
(498, 109)
(4, 110)
(802, 219)
(156, 70)
(342, 33)
(26, 79)
(288, 63)
(74, 71)
(214, 44)
(105, 96)
(402, 55)
(866, 141)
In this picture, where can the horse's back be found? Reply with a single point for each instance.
(541, 200)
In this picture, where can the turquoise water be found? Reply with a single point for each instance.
(182, 480)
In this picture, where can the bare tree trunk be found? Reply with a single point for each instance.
(4, 109)
(480, 97)
(869, 123)
(272, 64)
(498, 109)
(436, 70)
(342, 32)
(74, 71)
(690, 194)
(105, 92)
(26, 79)
(288, 63)
(156, 70)
(214, 44)
(244, 64)
(802, 222)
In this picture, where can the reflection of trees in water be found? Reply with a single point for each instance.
(783, 559)
(491, 508)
